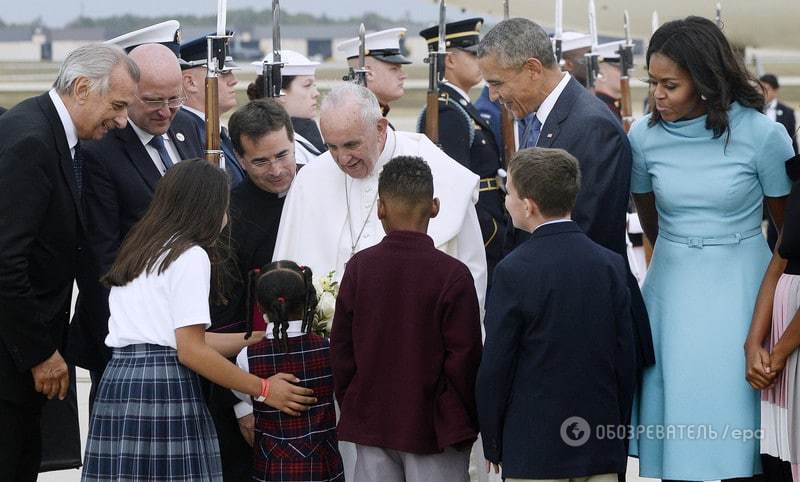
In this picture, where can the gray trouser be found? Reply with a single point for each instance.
(386, 465)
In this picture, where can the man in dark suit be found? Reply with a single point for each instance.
(122, 170)
(558, 363)
(778, 111)
(464, 134)
(516, 59)
(193, 54)
(41, 225)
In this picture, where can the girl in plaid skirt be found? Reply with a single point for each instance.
(290, 447)
(149, 421)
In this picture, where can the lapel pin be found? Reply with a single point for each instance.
(463, 102)
(549, 135)
(180, 136)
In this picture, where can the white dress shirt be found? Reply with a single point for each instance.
(66, 121)
(171, 149)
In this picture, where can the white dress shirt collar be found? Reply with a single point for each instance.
(553, 221)
(66, 120)
(550, 101)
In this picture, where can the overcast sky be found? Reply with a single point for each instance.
(58, 12)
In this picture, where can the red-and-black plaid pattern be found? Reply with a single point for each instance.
(296, 448)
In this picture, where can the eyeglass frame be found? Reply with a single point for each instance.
(173, 103)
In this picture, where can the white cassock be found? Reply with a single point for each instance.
(317, 231)
(328, 216)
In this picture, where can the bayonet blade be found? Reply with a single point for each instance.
(719, 14)
(276, 31)
(505, 10)
(362, 49)
(558, 28)
(442, 27)
(627, 27)
(593, 25)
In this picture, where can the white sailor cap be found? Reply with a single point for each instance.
(609, 52)
(165, 33)
(294, 63)
(383, 45)
(575, 41)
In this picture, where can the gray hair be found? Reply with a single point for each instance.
(516, 40)
(96, 62)
(348, 93)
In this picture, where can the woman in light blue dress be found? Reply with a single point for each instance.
(703, 161)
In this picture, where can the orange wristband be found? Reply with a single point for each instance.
(264, 390)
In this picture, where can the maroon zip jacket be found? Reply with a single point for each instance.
(405, 347)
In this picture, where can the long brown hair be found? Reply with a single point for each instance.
(187, 210)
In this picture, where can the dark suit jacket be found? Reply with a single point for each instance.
(119, 184)
(559, 344)
(40, 226)
(232, 166)
(785, 115)
(583, 125)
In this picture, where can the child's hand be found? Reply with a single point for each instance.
(288, 397)
(489, 467)
(247, 426)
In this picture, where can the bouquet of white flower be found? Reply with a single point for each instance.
(327, 291)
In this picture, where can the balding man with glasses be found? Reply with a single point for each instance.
(122, 171)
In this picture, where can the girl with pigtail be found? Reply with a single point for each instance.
(285, 447)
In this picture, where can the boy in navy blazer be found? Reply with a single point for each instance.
(555, 384)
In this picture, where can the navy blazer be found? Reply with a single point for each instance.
(119, 184)
(232, 165)
(559, 344)
(582, 125)
(40, 236)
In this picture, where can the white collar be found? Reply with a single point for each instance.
(387, 154)
(294, 329)
(773, 104)
(196, 112)
(553, 221)
(66, 119)
(145, 137)
(457, 89)
(550, 101)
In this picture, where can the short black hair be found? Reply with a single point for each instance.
(770, 80)
(256, 119)
(255, 90)
(549, 177)
(407, 178)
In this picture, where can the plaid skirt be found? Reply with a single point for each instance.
(150, 421)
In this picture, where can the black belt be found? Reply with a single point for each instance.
(488, 184)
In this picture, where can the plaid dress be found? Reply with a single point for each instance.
(150, 421)
(300, 448)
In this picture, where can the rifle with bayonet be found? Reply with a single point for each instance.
(359, 73)
(436, 69)
(626, 65)
(215, 64)
(507, 124)
(719, 15)
(558, 32)
(271, 70)
(593, 57)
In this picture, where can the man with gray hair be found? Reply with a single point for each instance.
(331, 209)
(516, 59)
(41, 226)
(122, 171)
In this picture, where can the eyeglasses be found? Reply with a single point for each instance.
(172, 103)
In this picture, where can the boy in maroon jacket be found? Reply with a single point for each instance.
(406, 343)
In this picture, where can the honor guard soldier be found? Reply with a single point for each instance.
(194, 55)
(384, 61)
(463, 133)
(607, 86)
(575, 46)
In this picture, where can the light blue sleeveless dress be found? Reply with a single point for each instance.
(696, 416)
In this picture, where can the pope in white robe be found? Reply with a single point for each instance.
(331, 209)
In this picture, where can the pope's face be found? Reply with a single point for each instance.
(354, 145)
